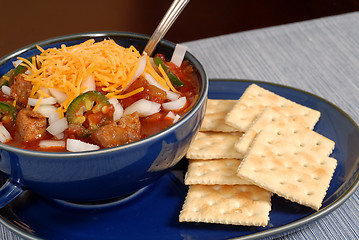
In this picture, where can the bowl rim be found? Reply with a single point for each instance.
(103, 34)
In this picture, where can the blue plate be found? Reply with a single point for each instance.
(152, 213)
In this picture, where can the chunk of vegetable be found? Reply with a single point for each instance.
(175, 105)
(178, 54)
(143, 107)
(74, 145)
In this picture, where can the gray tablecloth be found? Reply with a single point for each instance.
(320, 56)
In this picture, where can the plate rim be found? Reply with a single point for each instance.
(277, 231)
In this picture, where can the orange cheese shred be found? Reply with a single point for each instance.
(129, 94)
(65, 68)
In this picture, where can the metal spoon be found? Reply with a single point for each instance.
(171, 15)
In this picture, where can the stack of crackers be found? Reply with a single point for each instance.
(249, 149)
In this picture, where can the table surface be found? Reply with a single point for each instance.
(319, 56)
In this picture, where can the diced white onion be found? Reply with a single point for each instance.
(178, 54)
(27, 72)
(139, 71)
(6, 90)
(58, 126)
(141, 67)
(118, 108)
(152, 81)
(113, 101)
(44, 101)
(4, 134)
(175, 105)
(118, 112)
(171, 115)
(16, 63)
(177, 117)
(59, 95)
(74, 145)
(60, 135)
(51, 143)
(143, 107)
(47, 110)
(53, 117)
(172, 95)
(89, 83)
(2, 138)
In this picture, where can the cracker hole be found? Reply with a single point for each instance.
(301, 145)
(299, 180)
(281, 183)
(279, 154)
(316, 178)
(272, 169)
(310, 193)
(295, 131)
(305, 165)
(196, 210)
(317, 143)
(256, 198)
(322, 163)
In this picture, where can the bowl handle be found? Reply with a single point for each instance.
(8, 192)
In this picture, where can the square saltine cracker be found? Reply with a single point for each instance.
(214, 172)
(214, 145)
(255, 99)
(292, 162)
(214, 118)
(237, 204)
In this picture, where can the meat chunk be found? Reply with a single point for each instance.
(31, 125)
(125, 130)
(21, 89)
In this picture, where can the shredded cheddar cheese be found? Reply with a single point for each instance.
(38, 103)
(66, 68)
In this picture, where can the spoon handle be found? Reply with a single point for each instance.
(171, 15)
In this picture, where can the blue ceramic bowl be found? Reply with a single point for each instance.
(102, 174)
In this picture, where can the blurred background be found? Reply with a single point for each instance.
(23, 22)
